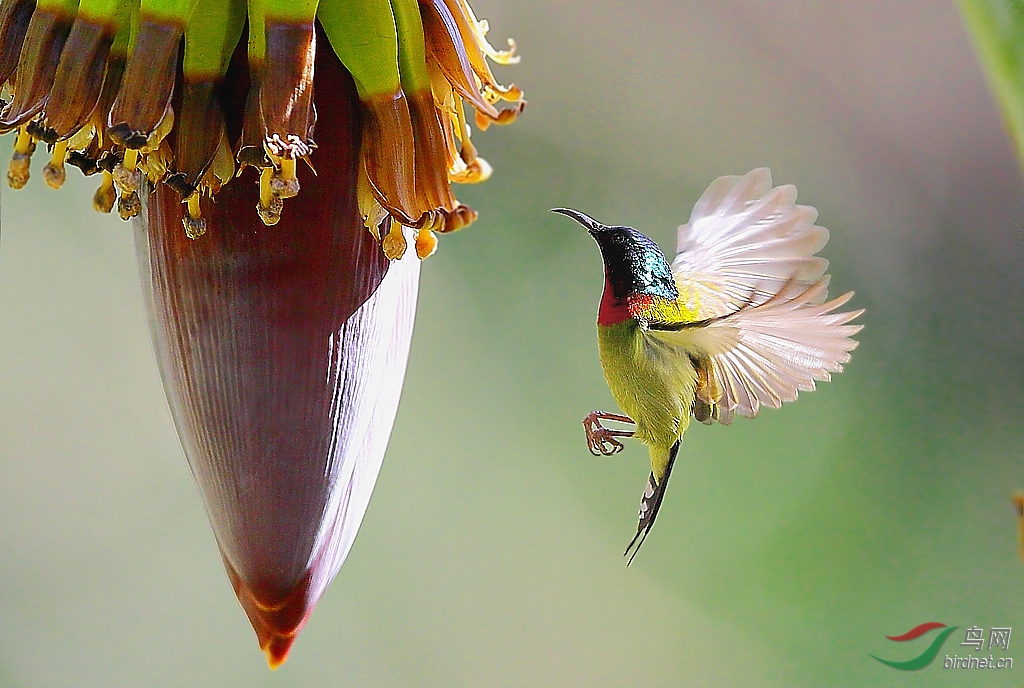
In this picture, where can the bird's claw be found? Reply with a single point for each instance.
(603, 441)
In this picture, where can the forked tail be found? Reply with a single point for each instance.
(650, 504)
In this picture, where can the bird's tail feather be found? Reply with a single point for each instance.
(650, 504)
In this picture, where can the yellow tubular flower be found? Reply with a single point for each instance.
(99, 79)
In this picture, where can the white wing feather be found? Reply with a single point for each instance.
(748, 254)
(745, 241)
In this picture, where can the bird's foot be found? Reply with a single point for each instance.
(604, 441)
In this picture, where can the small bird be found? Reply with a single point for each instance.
(737, 321)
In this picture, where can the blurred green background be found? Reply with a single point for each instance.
(788, 546)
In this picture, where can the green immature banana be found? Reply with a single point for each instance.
(44, 40)
(412, 50)
(433, 189)
(213, 32)
(365, 39)
(80, 74)
(210, 40)
(148, 83)
(401, 124)
(250, 148)
(287, 101)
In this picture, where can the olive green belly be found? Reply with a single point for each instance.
(653, 382)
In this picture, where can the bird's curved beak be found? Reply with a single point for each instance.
(590, 223)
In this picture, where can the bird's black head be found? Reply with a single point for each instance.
(633, 264)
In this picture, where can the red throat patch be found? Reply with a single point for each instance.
(613, 310)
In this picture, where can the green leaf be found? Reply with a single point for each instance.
(997, 28)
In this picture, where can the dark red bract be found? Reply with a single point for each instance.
(261, 335)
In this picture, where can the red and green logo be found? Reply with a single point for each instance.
(926, 657)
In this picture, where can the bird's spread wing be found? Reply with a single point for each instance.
(765, 354)
(755, 293)
(744, 242)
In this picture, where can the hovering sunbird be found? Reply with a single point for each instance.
(737, 321)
